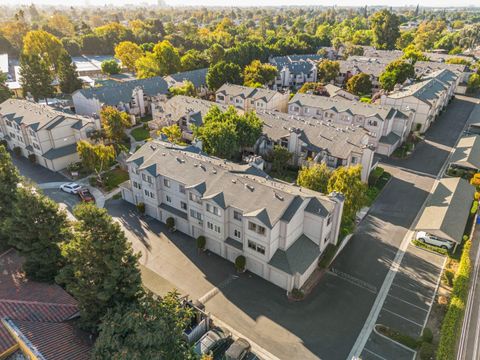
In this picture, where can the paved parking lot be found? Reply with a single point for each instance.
(66, 201)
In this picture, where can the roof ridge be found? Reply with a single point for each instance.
(36, 303)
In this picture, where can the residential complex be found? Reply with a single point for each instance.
(281, 229)
(295, 70)
(197, 77)
(248, 98)
(41, 131)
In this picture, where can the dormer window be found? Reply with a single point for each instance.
(213, 209)
(256, 228)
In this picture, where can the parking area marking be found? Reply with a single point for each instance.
(210, 294)
(402, 317)
(408, 303)
(374, 354)
(412, 291)
(353, 280)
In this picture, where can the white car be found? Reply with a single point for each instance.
(71, 188)
(429, 239)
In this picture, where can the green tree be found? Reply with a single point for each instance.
(44, 45)
(9, 180)
(167, 58)
(128, 53)
(314, 177)
(348, 181)
(36, 77)
(473, 83)
(148, 329)
(36, 228)
(147, 66)
(5, 92)
(315, 88)
(215, 53)
(67, 75)
(248, 127)
(458, 61)
(280, 158)
(360, 84)
(114, 122)
(413, 54)
(397, 72)
(95, 157)
(101, 269)
(110, 67)
(192, 60)
(328, 70)
(385, 27)
(173, 134)
(222, 73)
(257, 74)
(186, 89)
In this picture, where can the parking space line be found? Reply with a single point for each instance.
(413, 292)
(435, 293)
(402, 317)
(410, 275)
(374, 354)
(407, 302)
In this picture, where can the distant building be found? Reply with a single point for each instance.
(295, 70)
(197, 77)
(248, 98)
(91, 65)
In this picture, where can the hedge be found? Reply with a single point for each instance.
(430, 247)
(452, 323)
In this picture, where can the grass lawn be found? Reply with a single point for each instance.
(113, 178)
(140, 134)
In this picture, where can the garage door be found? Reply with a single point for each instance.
(214, 246)
(279, 279)
(232, 254)
(151, 210)
(181, 225)
(127, 195)
(255, 266)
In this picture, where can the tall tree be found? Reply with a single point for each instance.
(36, 77)
(314, 177)
(280, 159)
(110, 67)
(328, 70)
(193, 59)
(101, 269)
(385, 26)
(9, 179)
(115, 122)
(67, 75)
(257, 74)
(36, 228)
(95, 157)
(167, 57)
(222, 73)
(396, 72)
(5, 92)
(186, 89)
(150, 329)
(128, 53)
(147, 66)
(173, 134)
(248, 127)
(360, 84)
(45, 45)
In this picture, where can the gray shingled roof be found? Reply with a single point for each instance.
(297, 258)
(173, 210)
(232, 242)
(197, 77)
(296, 64)
(467, 152)
(247, 92)
(390, 139)
(252, 194)
(60, 152)
(447, 209)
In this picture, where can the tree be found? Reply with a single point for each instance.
(60, 25)
(257, 74)
(413, 54)
(5, 92)
(173, 134)
(385, 27)
(9, 180)
(222, 73)
(36, 77)
(186, 89)
(44, 45)
(280, 159)
(360, 84)
(101, 269)
(458, 61)
(148, 329)
(215, 54)
(95, 157)
(248, 127)
(114, 122)
(167, 57)
(67, 75)
(147, 66)
(473, 83)
(110, 67)
(36, 228)
(328, 70)
(315, 88)
(193, 59)
(314, 177)
(128, 53)
(348, 181)
(396, 72)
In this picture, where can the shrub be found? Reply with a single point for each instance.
(448, 276)
(170, 223)
(427, 351)
(4, 143)
(403, 339)
(201, 242)
(430, 247)
(240, 263)
(375, 175)
(474, 208)
(427, 335)
(297, 293)
(452, 322)
(17, 151)
(32, 158)
(141, 208)
(418, 127)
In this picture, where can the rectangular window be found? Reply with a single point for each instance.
(149, 179)
(257, 247)
(209, 225)
(9, 123)
(146, 192)
(169, 199)
(32, 133)
(196, 215)
(166, 182)
(237, 216)
(144, 178)
(257, 228)
(36, 146)
(213, 210)
(329, 220)
(181, 188)
(195, 198)
(183, 205)
(237, 234)
(218, 229)
(152, 195)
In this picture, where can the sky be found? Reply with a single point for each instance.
(435, 3)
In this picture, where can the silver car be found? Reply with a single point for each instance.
(429, 239)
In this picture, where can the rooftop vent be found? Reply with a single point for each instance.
(234, 181)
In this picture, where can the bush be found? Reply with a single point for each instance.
(32, 158)
(452, 322)
(4, 143)
(427, 335)
(170, 223)
(201, 242)
(297, 293)
(17, 151)
(474, 208)
(448, 276)
(240, 263)
(375, 175)
(141, 208)
(418, 127)
(430, 247)
(427, 351)
(403, 339)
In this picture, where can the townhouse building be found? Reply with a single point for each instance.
(295, 70)
(133, 97)
(387, 126)
(426, 99)
(197, 77)
(282, 230)
(248, 98)
(49, 135)
(372, 68)
(334, 91)
(316, 140)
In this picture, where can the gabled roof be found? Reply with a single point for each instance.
(467, 152)
(196, 77)
(57, 153)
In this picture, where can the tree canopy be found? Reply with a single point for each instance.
(328, 70)
(396, 72)
(114, 122)
(257, 74)
(360, 84)
(222, 73)
(385, 28)
(128, 53)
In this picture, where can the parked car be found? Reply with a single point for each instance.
(238, 350)
(214, 341)
(71, 188)
(85, 195)
(429, 239)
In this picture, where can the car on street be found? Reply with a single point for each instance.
(238, 350)
(85, 195)
(214, 341)
(429, 239)
(71, 188)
